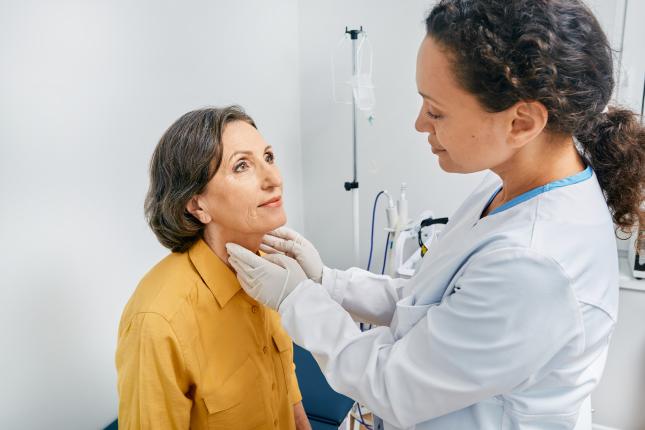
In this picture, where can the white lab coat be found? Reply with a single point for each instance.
(506, 324)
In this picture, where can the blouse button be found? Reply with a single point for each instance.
(254, 309)
(265, 349)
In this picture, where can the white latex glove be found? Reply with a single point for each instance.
(269, 279)
(292, 244)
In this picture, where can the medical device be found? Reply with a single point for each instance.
(406, 242)
(402, 206)
(397, 218)
(352, 82)
(356, 88)
(411, 244)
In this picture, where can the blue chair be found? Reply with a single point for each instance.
(326, 409)
(113, 426)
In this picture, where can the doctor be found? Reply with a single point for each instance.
(506, 324)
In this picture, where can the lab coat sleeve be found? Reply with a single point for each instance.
(366, 296)
(511, 311)
(151, 376)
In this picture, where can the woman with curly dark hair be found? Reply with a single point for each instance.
(507, 322)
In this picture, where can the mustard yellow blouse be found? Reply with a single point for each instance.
(194, 351)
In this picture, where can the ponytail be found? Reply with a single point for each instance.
(614, 146)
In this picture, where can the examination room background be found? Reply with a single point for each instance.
(88, 87)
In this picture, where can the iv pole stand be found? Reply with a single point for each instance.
(353, 186)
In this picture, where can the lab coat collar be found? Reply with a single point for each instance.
(218, 277)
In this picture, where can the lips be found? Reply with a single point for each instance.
(276, 201)
(436, 150)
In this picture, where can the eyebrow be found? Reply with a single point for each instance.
(245, 152)
(425, 96)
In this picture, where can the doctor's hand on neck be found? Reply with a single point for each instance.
(268, 279)
(289, 242)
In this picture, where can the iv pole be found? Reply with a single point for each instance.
(353, 186)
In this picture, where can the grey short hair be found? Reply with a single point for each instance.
(184, 161)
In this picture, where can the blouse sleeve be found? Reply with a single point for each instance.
(152, 378)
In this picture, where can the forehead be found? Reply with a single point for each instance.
(241, 136)
(435, 74)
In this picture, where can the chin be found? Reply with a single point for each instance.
(275, 221)
(449, 166)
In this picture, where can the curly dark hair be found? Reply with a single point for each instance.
(185, 159)
(554, 52)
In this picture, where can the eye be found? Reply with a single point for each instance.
(240, 166)
(432, 115)
(269, 157)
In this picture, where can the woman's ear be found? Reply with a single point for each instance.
(528, 121)
(196, 209)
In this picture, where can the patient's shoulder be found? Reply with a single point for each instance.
(170, 285)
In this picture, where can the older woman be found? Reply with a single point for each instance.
(195, 351)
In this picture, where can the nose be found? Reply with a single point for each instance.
(423, 123)
(271, 176)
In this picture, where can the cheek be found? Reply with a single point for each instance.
(487, 148)
(467, 145)
(458, 138)
(235, 206)
(232, 201)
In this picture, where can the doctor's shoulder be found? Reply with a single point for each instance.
(516, 275)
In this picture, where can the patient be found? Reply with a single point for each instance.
(194, 351)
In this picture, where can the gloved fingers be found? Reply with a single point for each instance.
(306, 243)
(286, 262)
(285, 233)
(289, 234)
(277, 259)
(244, 255)
(281, 296)
(240, 266)
(249, 275)
(277, 243)
(247, 281)
(268, 250)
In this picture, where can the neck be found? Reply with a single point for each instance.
(217, 237)
(545, 160)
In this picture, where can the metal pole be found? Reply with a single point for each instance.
(353, 185)
(354, 106)
(356, 201)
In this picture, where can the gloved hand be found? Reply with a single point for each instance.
(269, 279)
(295, 246)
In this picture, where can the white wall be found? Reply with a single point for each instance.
(86, 90)
(390, 150)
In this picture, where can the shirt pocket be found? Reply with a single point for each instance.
(283, 345)
(237, 403)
